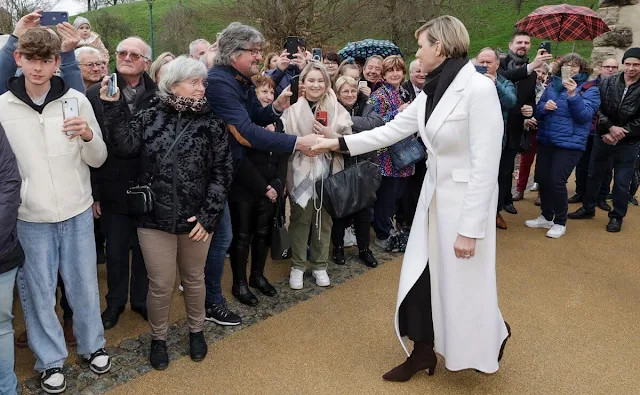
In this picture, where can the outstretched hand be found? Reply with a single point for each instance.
(326, 145)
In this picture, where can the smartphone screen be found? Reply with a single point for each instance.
(52, 18)
(322, 117)
(70, 109)
(362, 84)
(295, 81)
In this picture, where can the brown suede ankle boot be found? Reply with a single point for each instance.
(422, 358)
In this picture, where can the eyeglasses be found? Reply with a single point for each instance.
(610, 67)
(122, 55)
(93, 64)
(329, 63)
(254, 52)
(197, 83)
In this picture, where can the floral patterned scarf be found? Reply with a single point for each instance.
(182, 104)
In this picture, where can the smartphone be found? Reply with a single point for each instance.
(291, 44)
(566, 73)
(52, 18)
(295, 81)
(112, 87)
(482, 69)
(362, 84)
(546, 45)
(316, 54)
(70, 109)
(322, 117)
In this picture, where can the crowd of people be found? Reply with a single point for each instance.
(213, 145)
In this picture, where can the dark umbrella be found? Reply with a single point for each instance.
(563, 22)
(369, 47)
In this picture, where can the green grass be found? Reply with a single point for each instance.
(490, 22)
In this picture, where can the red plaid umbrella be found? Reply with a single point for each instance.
(563, 22)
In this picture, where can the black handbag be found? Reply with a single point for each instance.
(350, 190)
(140, 198)
(406, 152)
(280, 240)
(525, 141)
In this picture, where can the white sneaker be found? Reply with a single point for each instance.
(296, 278)
(557, 231)
(52, 381)
(350, 237)
(535, 187)
(539, 222)
(100, 362)
(322, 278)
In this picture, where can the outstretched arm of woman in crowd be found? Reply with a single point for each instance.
(402, 126)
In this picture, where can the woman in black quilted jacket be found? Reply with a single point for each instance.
(190, 180)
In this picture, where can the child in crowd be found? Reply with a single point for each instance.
(89, 38)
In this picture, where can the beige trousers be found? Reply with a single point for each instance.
(162, 252)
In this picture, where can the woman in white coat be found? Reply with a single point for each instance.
(447, 296)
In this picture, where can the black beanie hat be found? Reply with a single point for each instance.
(631, 53)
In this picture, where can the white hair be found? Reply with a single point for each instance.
(86, 51)
(147, 53)
(413, 64)
(180, 69)
(196, 42)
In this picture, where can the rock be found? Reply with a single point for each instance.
(599, 54)
(609, 15)
(609, 3)
(620, 36)
(130, 344)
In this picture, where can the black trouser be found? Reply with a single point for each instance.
(97, 231)
(624, 157)
(391, 189)
(414, 316)
(635, 182)
(505, 177)
(553, 169)
(251, 222)
(121, 235)
(361, 223)
(409, 200)
(582, 172)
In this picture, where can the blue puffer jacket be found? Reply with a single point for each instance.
(569, 125)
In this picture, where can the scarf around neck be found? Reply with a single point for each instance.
(438, 81)
(516, 61)
(303, 170)
(182, 104)
(578, 78)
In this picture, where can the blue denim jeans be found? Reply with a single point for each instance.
(8, 380)
(67, 247)
(220, 243)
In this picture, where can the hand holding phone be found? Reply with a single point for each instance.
(322, 117)
(291, 45)
(112, 86)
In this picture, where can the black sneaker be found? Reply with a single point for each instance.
(392, 244)
(403, 239)
(158, 357)
(338, 255)
(100, 362)
(52, 381)
(366, 256)
(221, 315)
(633, 200)
(197, 346)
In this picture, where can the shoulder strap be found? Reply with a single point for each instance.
(170, 150)
(586, 86)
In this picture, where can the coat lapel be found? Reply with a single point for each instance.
(422, 102)
(449, 100)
